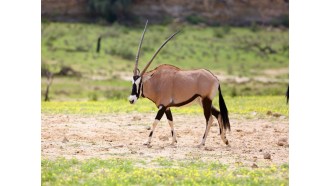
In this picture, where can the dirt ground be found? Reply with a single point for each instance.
(123, 135)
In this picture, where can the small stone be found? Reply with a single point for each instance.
(148, 128)
(276, 115)
(136, 118)
(208, 149)
(118, 146)
(282, 142)
(260, 150)
(267, 156)
(254, 166)
(65, 140)
(163, 138)
(238, 130)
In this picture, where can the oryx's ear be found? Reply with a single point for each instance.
(146, 78)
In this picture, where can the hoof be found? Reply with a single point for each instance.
(146, 143)
(200, 145)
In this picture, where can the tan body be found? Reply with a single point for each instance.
(169, 86)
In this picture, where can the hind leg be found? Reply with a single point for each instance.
(170, 122)
(217, 115)
(207, 103)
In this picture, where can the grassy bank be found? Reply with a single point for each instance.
(159, 171)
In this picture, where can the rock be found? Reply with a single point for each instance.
(282, 142)
(283, 139)
(254, 166)
(208, 149)
(136, 118)
(267, 156)
(118, 146)
(163, 138)
(276, 115)
(241, 12)
(65, 140)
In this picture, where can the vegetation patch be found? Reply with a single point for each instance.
(132, 172)
(236, 105)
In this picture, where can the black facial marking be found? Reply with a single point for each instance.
(151, 133)
(135, 89)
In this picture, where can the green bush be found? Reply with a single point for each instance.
(194, 19)
(111, 10)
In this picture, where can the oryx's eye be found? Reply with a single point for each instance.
(136, 80)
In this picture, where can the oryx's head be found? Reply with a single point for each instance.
(137, 77)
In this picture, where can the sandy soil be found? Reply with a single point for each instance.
(123, 135)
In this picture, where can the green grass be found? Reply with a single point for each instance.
(136, 172)
(195, 47)
(236, 105)
(74, 45)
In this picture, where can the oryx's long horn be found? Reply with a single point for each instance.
(138, 52)
(153, 57)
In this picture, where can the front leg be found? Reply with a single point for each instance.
(160, 113)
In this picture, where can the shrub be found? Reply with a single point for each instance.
(194, 19)
(111, 10)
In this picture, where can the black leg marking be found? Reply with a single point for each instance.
(207, 103)
(151, 133)
(160, 113)
(169, 115)
(172, 133)
(215, 112)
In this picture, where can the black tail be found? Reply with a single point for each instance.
(223, 111)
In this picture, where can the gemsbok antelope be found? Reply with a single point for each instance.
(169, 86)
